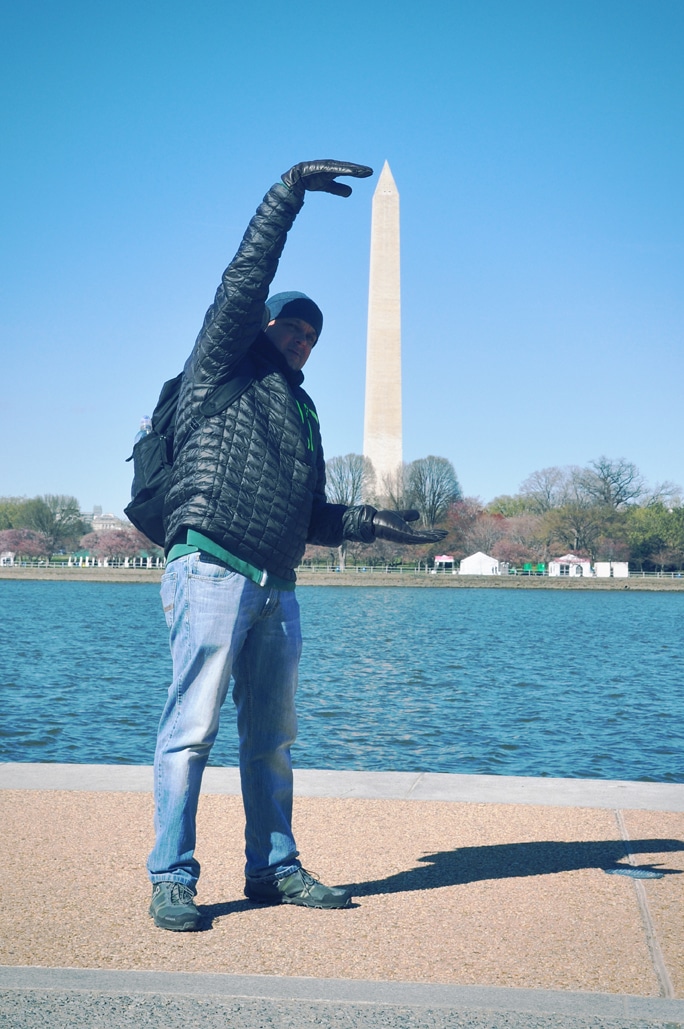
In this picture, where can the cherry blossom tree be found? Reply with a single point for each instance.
(116, 544)
(24, 543)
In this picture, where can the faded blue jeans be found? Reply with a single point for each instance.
(223, 625)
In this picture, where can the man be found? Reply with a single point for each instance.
(246, 495)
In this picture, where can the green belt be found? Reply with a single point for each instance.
(197, 542)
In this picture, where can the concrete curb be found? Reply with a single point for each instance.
(479, 789)
(341, 991)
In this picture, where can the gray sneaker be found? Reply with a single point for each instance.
(173, 907)
(299, 888)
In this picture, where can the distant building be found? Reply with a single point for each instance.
(570, 566)
(105, 522)
(480, 564)
(7, 558)
(444, 563)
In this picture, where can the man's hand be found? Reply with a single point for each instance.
(394, 526)
(409, 516)
(320, 176)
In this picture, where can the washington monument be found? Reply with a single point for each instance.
(382, 422)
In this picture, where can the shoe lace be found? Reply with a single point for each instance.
(179, 893)
(310, 878)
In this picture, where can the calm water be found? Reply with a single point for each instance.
(514, 682)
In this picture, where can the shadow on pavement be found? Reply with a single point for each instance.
(512, 860)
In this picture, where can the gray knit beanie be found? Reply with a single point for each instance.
(295, 305)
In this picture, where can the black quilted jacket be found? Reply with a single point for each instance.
(252, 477)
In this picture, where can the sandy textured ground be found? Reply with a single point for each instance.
(463, 893)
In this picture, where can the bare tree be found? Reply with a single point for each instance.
(395, 489)
(433, 487)
(669, 494)
(612, 482)
(349, 479)
(546, 489)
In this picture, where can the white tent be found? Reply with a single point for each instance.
(611, 570)
(479, 564)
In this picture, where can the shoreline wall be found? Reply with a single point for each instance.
(376, 578)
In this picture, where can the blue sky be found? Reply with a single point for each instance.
(538, 150)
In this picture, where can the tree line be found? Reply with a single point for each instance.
(604, 511)
(41, 527)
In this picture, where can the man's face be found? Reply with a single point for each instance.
(294, 338)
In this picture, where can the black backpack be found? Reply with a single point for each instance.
(152, 455)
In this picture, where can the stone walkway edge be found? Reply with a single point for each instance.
(480, 789)
(341, 991)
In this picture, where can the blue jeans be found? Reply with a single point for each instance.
(223, 625)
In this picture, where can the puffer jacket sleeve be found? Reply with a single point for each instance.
(332, 523)
(234, 319)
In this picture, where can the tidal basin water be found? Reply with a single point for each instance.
(512, 682)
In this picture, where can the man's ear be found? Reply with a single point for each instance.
(266, 318)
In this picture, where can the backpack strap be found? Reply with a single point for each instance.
(223, 396)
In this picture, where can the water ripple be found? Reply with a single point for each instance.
(519, 682)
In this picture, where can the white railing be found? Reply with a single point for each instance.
(331, 569)
(138, 564)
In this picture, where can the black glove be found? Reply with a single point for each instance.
(320, 176)
(409, 516)
(394, 526)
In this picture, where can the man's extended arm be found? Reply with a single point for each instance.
(332, 523)
(365, 524)
(234, 319)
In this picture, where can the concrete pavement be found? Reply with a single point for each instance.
(479, 900)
